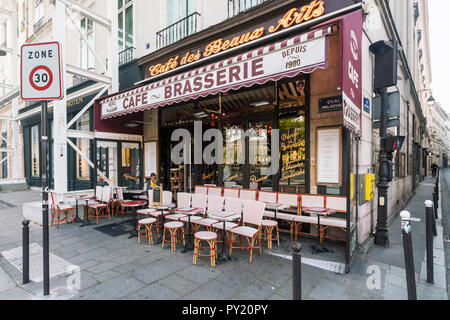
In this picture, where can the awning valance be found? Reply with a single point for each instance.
(302, 54)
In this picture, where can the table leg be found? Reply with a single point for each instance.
(224, 256)
(134, 233)
(86, 215)
(189, 246)
(161, 232)
(77, 218)
(319, 248)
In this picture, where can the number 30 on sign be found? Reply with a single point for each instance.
(40, 69)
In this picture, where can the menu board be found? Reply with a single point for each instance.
(329, 156)
(157, 195)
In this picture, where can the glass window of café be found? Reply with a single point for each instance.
(120, 162)
(247, 119)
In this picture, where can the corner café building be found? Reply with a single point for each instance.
(291, 65)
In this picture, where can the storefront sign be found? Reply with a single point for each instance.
(351, 70)
(304, 53)
(330, 104)
(293, 17)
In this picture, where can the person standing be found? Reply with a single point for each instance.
(434, 168)
(153, 182)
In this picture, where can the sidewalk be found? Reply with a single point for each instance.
(118, 268)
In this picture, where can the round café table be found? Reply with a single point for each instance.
(134, 205)
(319, 212)
(224, 217)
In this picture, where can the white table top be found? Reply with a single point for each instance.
(189, 211)
(276, 206)
(163, 207)
(224, 216)
(319, 211)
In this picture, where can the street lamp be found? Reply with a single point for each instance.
(385, 53)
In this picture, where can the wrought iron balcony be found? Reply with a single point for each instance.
(236, 7)
(38, 25)
(177, 31)
(126, 55)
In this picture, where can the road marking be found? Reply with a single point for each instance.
(331, 266)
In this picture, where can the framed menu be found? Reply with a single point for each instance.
(329, 156)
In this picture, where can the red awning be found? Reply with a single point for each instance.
(301, 54)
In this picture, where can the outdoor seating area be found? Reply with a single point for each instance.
(215, 219)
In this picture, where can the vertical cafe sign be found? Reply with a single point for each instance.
(351, 70)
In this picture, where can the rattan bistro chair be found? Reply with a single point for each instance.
(57, 208)
(215, 204)
(253, 212)
(102, 210)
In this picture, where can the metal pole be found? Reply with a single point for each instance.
(429, 235)
(409, 257)
(26, 252)
(381, 234)
(45, 171)
(297, 271)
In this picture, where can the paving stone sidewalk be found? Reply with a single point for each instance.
(119, 268)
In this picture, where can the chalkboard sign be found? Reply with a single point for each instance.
(157, 196)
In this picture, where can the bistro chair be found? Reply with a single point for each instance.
(199, 201)
(201, 190)
(215, 204)
(183, 201)
(167, 197)
(269, 226)
(173, 228)
(58, 207)
(102, 210)
(148, 224)
(232, 205)
(147, 212)
(211, 239)
(230, 193)
(215, 191)
(248, 195)
(253, 212)
(121, 203)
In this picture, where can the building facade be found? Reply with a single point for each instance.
(241, 68)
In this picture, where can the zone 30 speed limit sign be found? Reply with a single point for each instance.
(40, 70)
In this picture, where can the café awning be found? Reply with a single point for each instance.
(301, 54)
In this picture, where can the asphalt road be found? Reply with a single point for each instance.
(445, 184)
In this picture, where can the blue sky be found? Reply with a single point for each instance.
(440, 51)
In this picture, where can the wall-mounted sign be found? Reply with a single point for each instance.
(304, 53)
(306, 11)
(351, 70)
(367, 105)
(329, 153)
(330, 104)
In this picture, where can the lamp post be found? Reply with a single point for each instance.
(385, 53)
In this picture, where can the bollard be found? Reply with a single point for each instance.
(297, 271)
(26, 252)
(436, 204)
(429, 235)
(409, 257)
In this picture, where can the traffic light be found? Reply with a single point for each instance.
(394, 143)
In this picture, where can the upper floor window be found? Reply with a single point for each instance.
(38, 14)
(86, 55)
(179, 9)
(126, 37)
(182, 21)
(238, 6)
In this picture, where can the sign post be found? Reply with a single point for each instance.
(41, 80)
